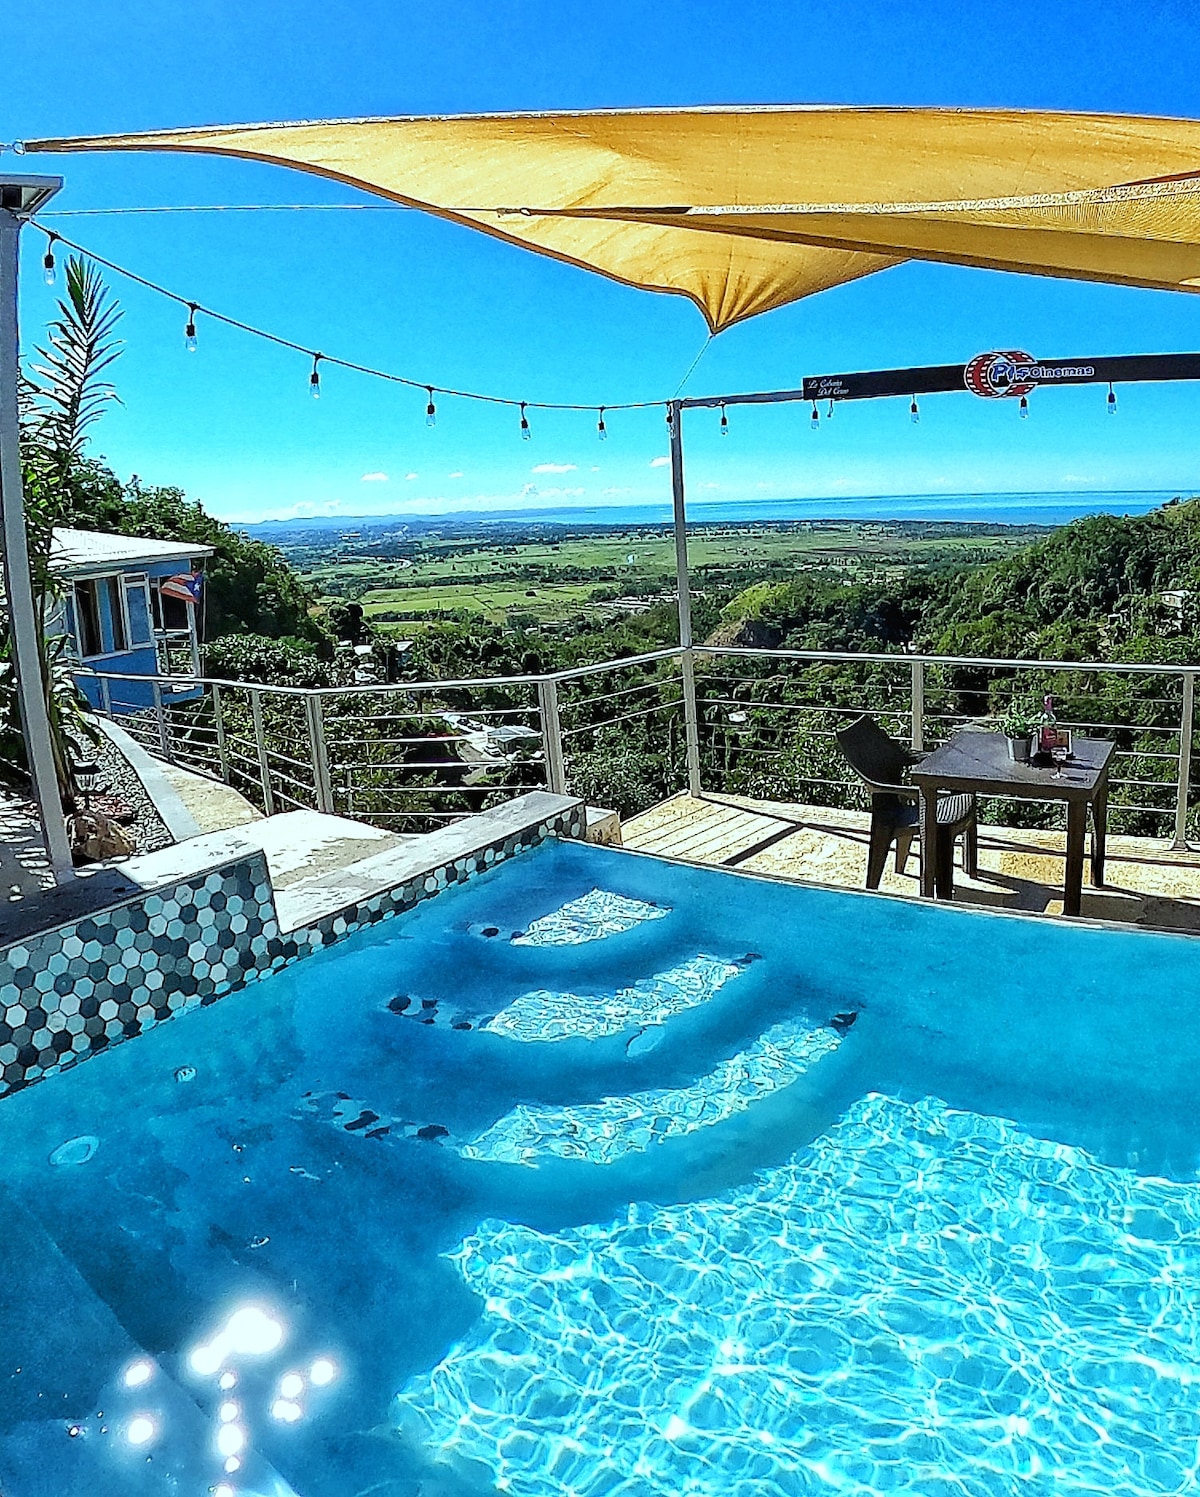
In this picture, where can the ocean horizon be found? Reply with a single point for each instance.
(993, 508)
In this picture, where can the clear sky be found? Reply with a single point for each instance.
(234, 424)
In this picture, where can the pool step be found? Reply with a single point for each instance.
(543, 1016)
(609, 1130)
(355, 1116)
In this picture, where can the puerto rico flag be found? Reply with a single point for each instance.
(186, 587)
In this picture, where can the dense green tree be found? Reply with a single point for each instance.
(250, 588)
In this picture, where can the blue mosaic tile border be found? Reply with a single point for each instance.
(72, 991)
(404, 896)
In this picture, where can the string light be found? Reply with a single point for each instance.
(351, 364)
(815, 419)
(829, 412)
(314, 379)
(1112, 400)
(1024, 408)
(525, 431)
(48, 268)
(601, 429)
(914, 412)
(670, 421)
(724, 423)
(189, 332)
(430, 409)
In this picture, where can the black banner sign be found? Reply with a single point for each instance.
(998, 375)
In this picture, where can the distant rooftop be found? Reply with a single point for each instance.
(77, 551)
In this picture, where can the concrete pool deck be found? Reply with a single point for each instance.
(1148, 883)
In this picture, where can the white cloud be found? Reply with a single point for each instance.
(408, 477)
(595, 469)
(563, 493)
(615, 493)
(553, 468)
(304, 509)
(659, 462)
(374, 478)
(457, 473)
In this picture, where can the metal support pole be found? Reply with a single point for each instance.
(106, 696)
(918, 704)
(683, 597)
(1183, 784)
(22, 618)
(320, 757)
(219, 720)
(260, 744)
(552, 744)
(164, 747)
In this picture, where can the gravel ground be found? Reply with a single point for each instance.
(117, 779)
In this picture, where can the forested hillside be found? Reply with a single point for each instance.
(1092, 589)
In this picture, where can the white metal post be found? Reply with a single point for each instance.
(683, 598)
(552, 745)
(260, 744)
(320, 759)
(219, 720)
(164, 747)
(1183, 784)
(18, 198)
(918, 704)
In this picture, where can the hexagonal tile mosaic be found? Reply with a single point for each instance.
(70, 992)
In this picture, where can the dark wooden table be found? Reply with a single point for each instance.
(980, 762)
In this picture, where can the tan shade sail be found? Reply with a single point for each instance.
(744, 210)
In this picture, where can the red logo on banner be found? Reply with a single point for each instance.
(997, 375)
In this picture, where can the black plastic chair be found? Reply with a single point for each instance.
(882, 764)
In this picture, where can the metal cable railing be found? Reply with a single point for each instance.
(736, 719)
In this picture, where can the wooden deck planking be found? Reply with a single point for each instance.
(699, 831)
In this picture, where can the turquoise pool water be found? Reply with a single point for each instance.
(601, 1175)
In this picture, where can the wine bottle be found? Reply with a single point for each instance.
(1047, 727)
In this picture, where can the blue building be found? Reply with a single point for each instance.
(119, 619)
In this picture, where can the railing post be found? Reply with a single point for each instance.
(260, 744)
(918, 704)
(164, 747)
(691, 723)
(320, 758)
(552, 745)
(1184, 781)
(219, 721)
(106, 696)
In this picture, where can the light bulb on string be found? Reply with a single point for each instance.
(829, 412)
(1024, 408)
(314, 379)
(724, 423)
(914, 412)
(526, 434)
(815, 419)
(601, 429)
(430, 409)
(670, 421)
(49, 272)
(189, 332)
(1112, 400)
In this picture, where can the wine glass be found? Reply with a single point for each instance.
(1060, 753)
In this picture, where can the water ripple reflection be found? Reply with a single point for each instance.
(924, 1301)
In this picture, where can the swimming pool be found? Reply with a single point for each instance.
(605, 1175)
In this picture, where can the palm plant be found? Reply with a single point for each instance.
(61, 397)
